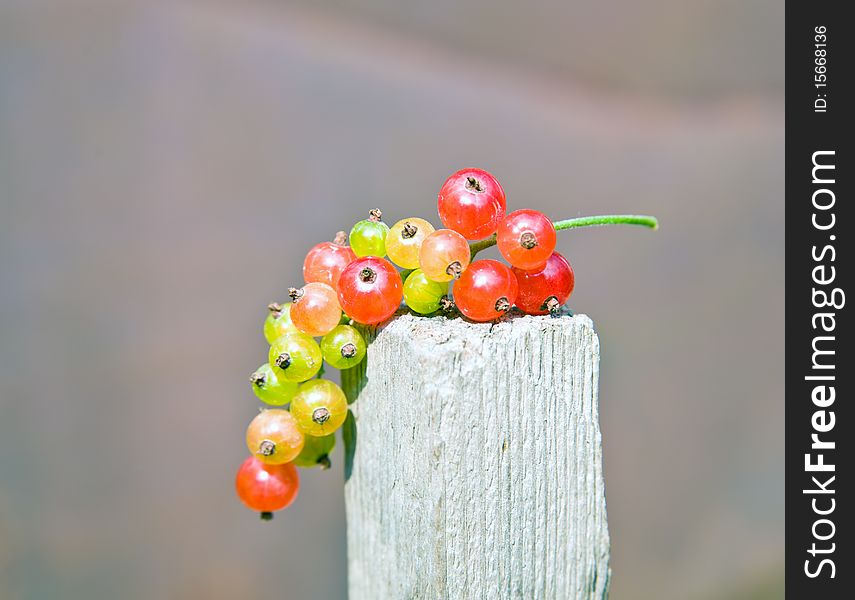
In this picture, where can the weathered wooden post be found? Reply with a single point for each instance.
(476, 468)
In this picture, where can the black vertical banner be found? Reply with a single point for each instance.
(820, 354)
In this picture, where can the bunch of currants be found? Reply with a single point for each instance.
(359, 283)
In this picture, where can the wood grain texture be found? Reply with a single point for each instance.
(476, 467)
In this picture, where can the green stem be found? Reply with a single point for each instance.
(476, 247)
(643, 220)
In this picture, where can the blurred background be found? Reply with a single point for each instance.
(164, 166)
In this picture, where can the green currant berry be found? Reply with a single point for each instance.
(270, 388)
(295, 357)
(423, 295)
(278, 322)
(320, 407)
(368, 237)
(343, 347)
(316, 452)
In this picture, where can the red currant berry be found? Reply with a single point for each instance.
(370, 290)
(325, 262)
(274, 437)
(444, 255)
(486, 290)
(472, 203)
(314, 309)
(547, 289)
(266, 488)
(526, 238)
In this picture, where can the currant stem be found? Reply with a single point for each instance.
(643, 220)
